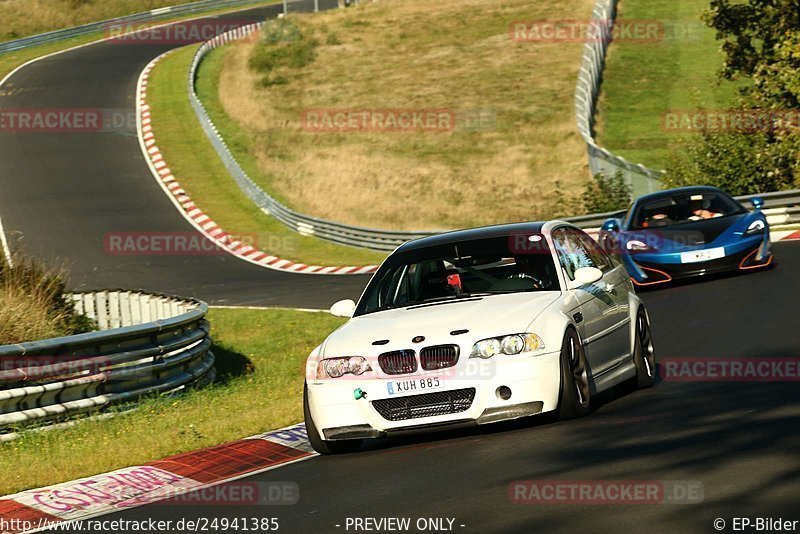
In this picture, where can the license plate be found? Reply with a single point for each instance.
(415, 385)
(703, 255)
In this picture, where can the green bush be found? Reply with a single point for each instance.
(283, 46)
(282, 30)
(739, 163)
(607, 193)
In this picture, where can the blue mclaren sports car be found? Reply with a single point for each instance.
(686, 232)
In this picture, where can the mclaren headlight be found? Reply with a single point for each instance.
(635, 245)
(756, 227)
(509, 345)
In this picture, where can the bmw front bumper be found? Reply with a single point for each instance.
(463, 398)
(657, 268)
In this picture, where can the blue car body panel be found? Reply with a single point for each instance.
(663, 260)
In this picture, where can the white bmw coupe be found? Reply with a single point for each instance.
(478, 326)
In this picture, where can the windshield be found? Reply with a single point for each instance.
(684, 208)
(464, 269)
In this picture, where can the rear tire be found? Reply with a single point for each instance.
(644, 357)
(575, 399)
(320, 445)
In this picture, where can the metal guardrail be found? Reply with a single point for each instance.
(95, 27)
(389, 240)
(147, 344)
(642, 179)
(304, 224)
(782, 208)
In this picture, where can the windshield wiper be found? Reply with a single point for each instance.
(447, 298)
(450, 297)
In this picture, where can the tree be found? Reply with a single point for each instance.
(761, 43)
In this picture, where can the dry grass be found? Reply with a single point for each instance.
(452, 54)
(201, 172)
(29, 17)
(33, 304)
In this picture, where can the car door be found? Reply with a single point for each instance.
(617, 286)
(599, 303)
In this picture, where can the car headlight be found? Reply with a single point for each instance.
(634, 245)
(338, 367)
(510, 345)
(756, 227)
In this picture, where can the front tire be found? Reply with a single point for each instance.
(575, 399)
(644, 357)
(315, 438)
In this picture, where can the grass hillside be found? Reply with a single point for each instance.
(514, 153)
(643, 80)
(201, 173)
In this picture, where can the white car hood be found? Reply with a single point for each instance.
(484, 317)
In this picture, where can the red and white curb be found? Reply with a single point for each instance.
(201, 221)
(141, 485)
(784, 235)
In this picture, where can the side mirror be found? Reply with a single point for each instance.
(611, 225)
(343, 308)
(757, 202)
(585, 276)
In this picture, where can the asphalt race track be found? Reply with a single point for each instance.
(63, 192)
(740, 440)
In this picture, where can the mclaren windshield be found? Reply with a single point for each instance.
(463, 269)
(684, 208)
